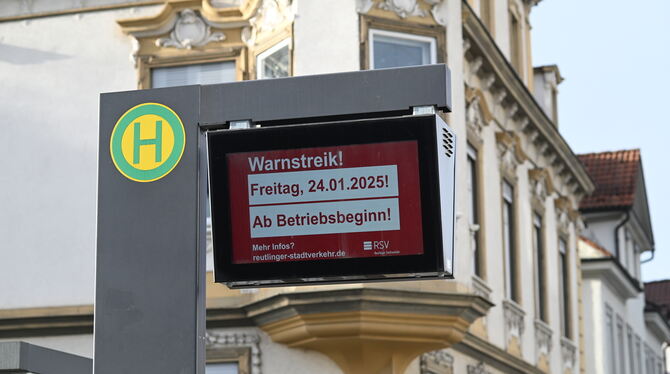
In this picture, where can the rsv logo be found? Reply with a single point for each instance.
(147, 142)
(376, 245)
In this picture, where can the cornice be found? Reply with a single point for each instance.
(494, 356)
(505, 79)
(156, 24)
(657, 324)
(611, 271)
(72, 320)
(46, 321)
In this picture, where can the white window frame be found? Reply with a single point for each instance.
(509, 241)
(401, 35)
(473, 209)
(263, 55)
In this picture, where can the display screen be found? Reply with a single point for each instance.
(324, 203)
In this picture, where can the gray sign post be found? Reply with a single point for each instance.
(150, 276)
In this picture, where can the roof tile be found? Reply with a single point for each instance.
(614, 174)
(658, 294)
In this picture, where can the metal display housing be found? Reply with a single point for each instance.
(436, 148)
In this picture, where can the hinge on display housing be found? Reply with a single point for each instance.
(425, 109)
(243, 124)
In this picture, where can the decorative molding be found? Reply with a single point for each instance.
(495, 356)
(565, 213)
(510, 153)
(477, 114)
(190, 30)
(477, 369)
(270, 16)
(214, 340)
(438, 10)
(407, 8)
(543, 342)
(514, 320)
(540, 183)
(403, 8)
(364, 6)
(437, 362)
(568, 355)
(346, 322)
(480, 288)
(508, 88)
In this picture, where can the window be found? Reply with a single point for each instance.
(631, 350)
(473, 207)
(222, 368)
(609, 339)
(515, 42)
(393, 49)
(635, 262)
(620, 343)
(486, 13)
(210, 73)
(638, 354)
(509, 242)
(564, 288)
(274, 62)
(540, 288)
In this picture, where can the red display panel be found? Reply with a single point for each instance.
(324, 203)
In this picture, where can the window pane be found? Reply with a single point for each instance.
(609, 331)
(391, 51)
(620, 342)
(508, 241)
(275, 64)
(223, 368)
(212, 73)
(473, 218)
(539, 271)
(565, 294)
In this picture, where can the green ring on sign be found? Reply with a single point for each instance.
(115, 143)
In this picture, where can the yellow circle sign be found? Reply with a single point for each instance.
(147, 142)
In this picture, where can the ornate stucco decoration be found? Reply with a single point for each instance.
(510, 153)
(477, 113)
(477, 369)
(542, 341)
(190, 30)
(270, 16)
(437, 361)
(438, 10)
(403, 8)
(215, 340)
(514, 321)
(541, 183)
(408, 8)
(565, 213)
(569, 355)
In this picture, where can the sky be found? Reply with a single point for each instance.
(615, 58)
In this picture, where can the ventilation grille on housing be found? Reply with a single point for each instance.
(447, 142)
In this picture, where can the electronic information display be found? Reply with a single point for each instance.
(325, 203)
(332, 202)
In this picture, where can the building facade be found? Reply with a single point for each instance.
(515, 305)
(625, 332)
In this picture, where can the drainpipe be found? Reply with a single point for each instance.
(616, 235)
(653, 251)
